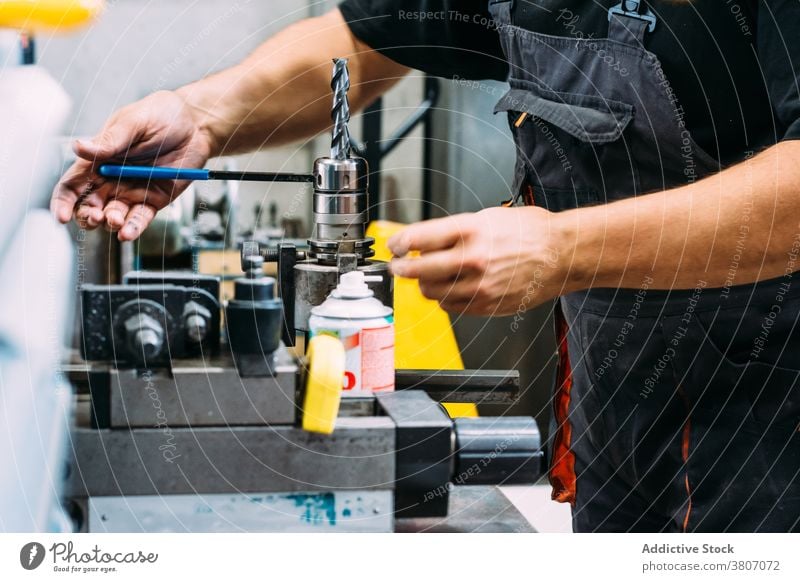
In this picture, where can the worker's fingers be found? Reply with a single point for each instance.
(431, 235)
(456, 305)
(114, 141)
(89, 212)
(462, 288)
(439, 266)
(437, 290)
(81, 193)
(115, 213)
(465, 296)
(137, 220)
(62, 204)
(72, 186)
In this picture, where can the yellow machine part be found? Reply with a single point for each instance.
(424, 338)
(36, 15)
(326, 360)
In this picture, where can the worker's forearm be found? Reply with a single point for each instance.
(735, 227)
(282, 92)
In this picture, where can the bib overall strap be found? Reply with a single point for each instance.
(501, 12)
(629, 20)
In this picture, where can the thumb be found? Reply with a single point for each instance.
(113, 141)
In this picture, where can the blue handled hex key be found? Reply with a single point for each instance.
(193, 174)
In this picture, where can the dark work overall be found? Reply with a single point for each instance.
(675, 411)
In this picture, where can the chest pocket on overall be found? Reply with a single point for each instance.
(565, 142)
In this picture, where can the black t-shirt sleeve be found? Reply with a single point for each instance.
(446, 38)
(779, 54)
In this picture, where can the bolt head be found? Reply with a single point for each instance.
(148, 343)
(145, 336)
(196, 328)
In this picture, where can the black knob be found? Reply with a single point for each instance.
(497, 451)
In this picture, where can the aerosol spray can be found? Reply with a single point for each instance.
(365, 327)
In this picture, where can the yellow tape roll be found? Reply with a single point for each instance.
(34, 15)
(323, 384)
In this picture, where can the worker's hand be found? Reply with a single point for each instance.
(158, 130)
(498, 261)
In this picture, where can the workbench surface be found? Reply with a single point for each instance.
(474, 509)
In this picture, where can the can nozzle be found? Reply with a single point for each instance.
(353, 285)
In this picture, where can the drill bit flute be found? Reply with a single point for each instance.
(340, 113)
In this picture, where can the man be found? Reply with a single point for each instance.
(658, 157)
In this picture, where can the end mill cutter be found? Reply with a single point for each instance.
(340, 112)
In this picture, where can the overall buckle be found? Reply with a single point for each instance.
(634, 9)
